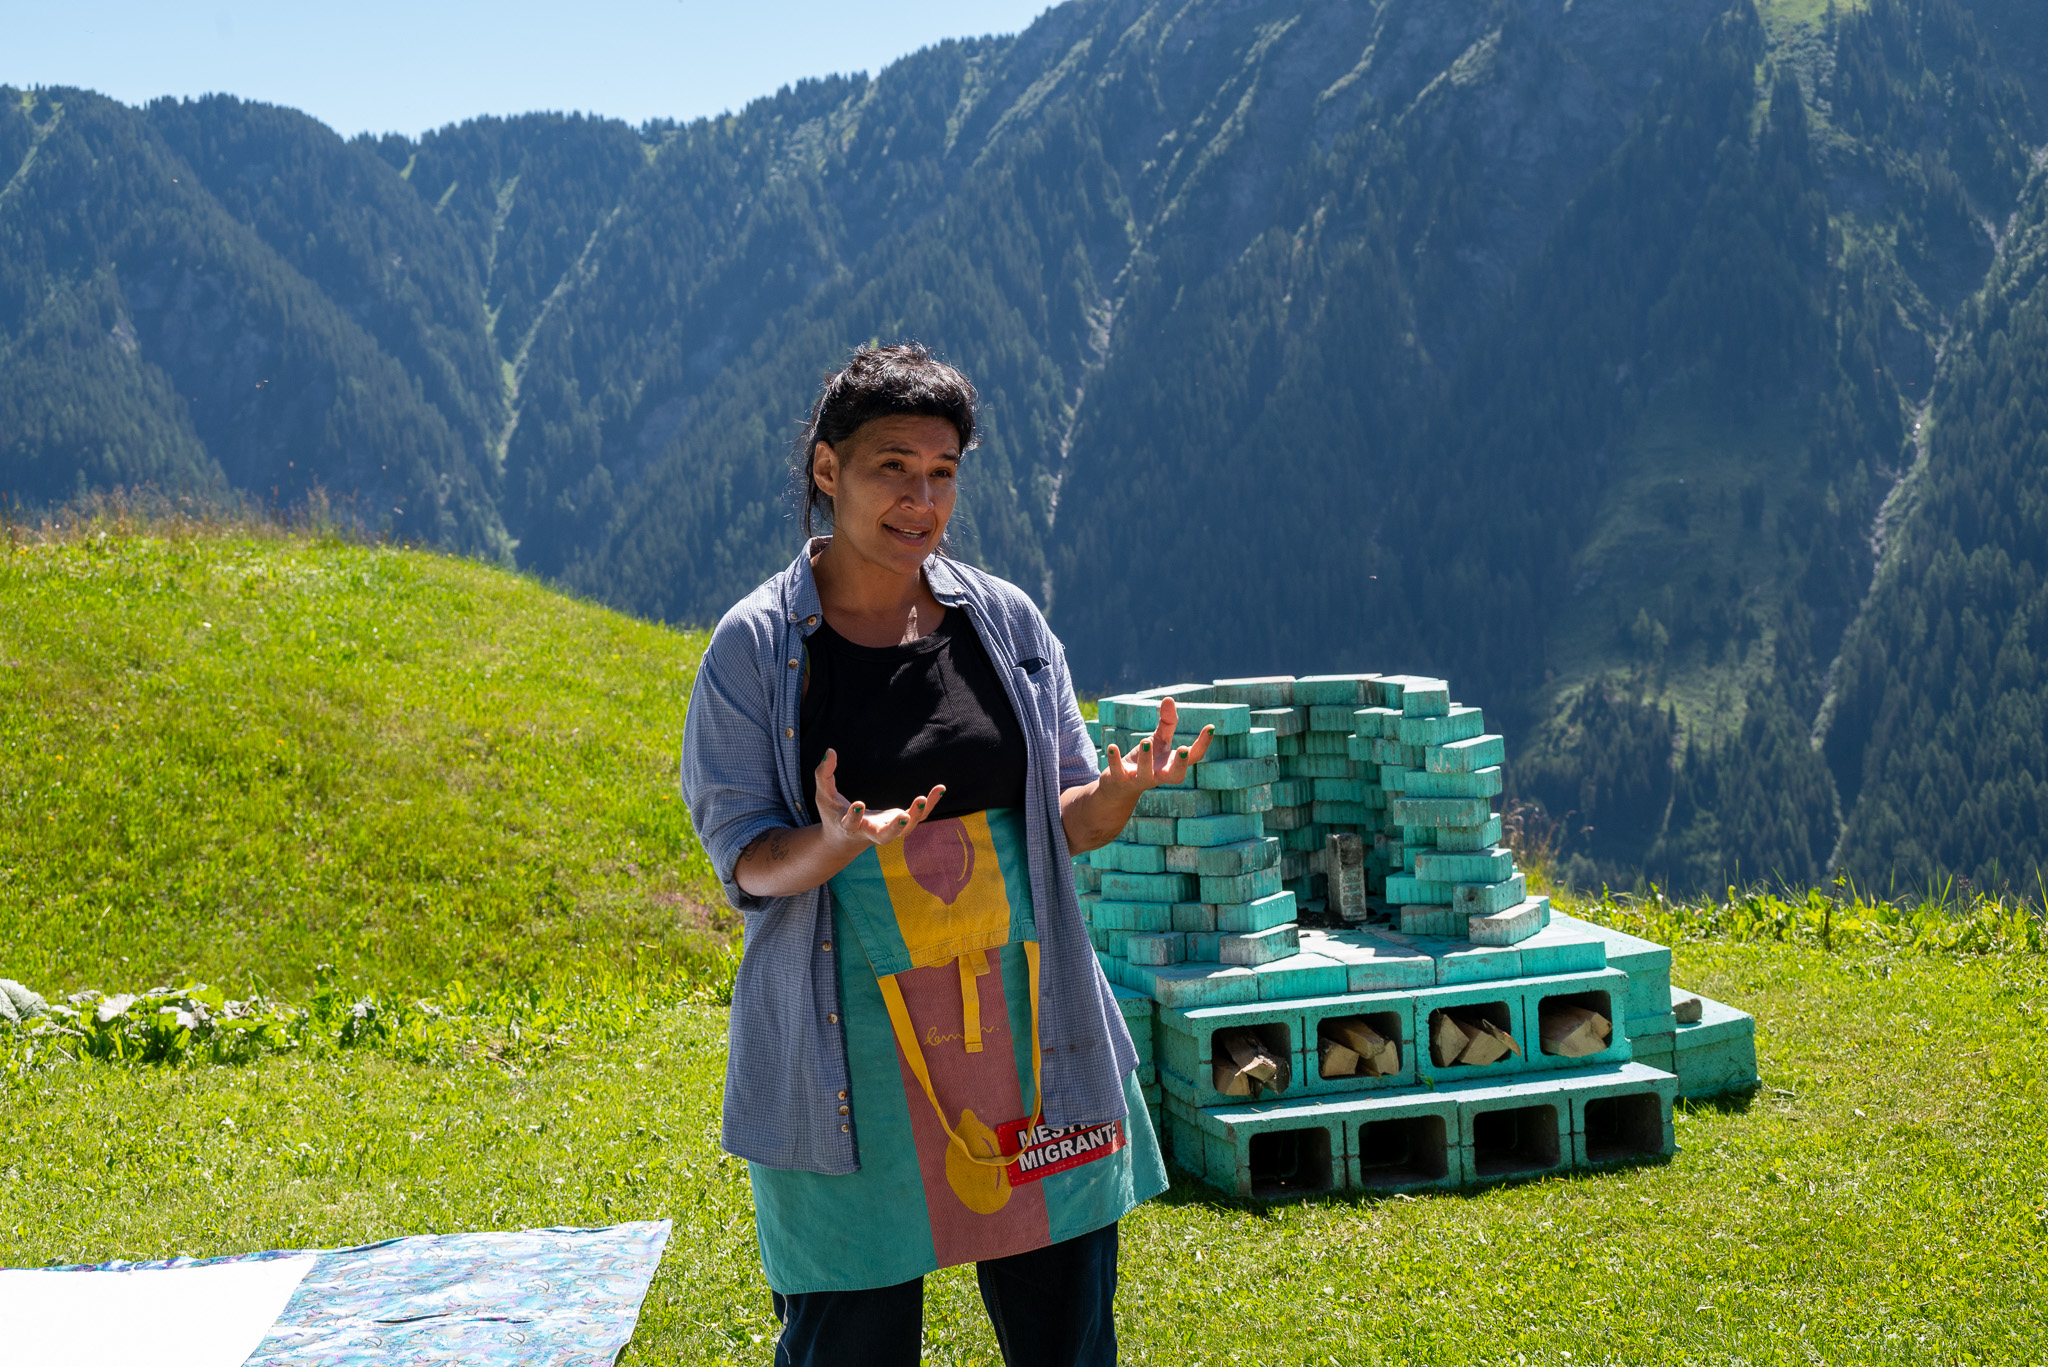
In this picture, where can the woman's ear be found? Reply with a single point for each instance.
(825, 469)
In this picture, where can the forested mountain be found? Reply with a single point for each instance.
(1670, 376)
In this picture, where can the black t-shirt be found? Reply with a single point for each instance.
(907, 717)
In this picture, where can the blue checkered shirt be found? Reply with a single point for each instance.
(786, 1086)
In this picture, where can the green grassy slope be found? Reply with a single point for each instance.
(1879, 1201)
(237, 755)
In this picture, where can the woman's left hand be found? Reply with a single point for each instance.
(1155, 761)
(1094, 813)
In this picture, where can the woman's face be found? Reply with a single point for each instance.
(892, 485)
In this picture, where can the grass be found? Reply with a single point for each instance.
(1881, 1199)
(233, 754)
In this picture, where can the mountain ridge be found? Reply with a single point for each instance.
(1572, 351)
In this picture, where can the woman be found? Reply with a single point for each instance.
(885, 761)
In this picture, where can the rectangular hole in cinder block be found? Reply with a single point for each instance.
(1623, 1127)
(1278, 1043)
(1339, 1031)
(1291, 1162)
(1516, 1140)
(1480, 1047)
(1400, 1153)
(1563, 1027)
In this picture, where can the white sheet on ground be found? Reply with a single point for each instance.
(208, 1316)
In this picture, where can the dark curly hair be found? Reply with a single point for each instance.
(879, 382)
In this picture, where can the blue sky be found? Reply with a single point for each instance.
(383, 66)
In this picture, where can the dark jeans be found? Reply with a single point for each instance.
(1054, 1307)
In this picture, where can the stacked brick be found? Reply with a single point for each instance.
(1339, 973)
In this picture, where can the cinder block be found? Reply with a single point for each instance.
(1240, 887)
(1465, 837)
(1595, 991)
(1476, 964)
(1115, 855)
(1322, 689)
(1655, 1051)
(1222, 829)
(1484, 899)
(1461, 723)
(1514, 1136)
(1422, 783)
(1181, 692)
(1372, 963)
(1189, 1048)
(1316, 766)
(1332, 717)
(1300, 975)
(1373, 723)
(1285, 721)
(1087, 878)
(1499, 1002)
(1256, 743)
(1266, 691)
(1405, 888)
(1195, 916)
(1623, 1116)
(1235, 773)
(1717, 1055)
(1240, 918)
(1176, 802)
(1308, 837)
(1441, 811)
(1425, 698)
(1428, 919)
(1282, 819)
(1149, 830)
(1191, 984)
(1251, 948)
(1338, 789)
(1465, 756)
(1149, 887)
(1392, 752)
(1517, 923)
(1241, 856)
(1394, 780)
(1245, 801)
(1229, 719)
(1491, 865)
(1156, 950)
(1391, 1016)
(1407, 1147)
(1293, 792)
(1128, 712)
(1131, 916)
(1341, 813)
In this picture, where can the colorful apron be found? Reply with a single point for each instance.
(938, 955)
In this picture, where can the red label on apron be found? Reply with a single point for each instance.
(1056, 1148)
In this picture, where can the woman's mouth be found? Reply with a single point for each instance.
(908, 536)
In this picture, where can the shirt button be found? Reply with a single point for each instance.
(846, 1129)
(832, 1019)
(842, 1094)
(828, 946)
(792, 664)
(788, 732)
(812, 620)
(845, 1111)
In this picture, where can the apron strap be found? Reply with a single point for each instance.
(973, 964)
(906, 1040)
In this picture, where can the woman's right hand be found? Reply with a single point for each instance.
(851, 826)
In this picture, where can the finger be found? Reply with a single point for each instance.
(1169, 718)
(852, 820)
(1116, 763)
(827, 768)
(1201, 746)
(922, 808)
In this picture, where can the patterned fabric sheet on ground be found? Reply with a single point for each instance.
(534, 1298)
